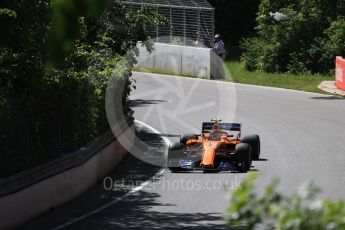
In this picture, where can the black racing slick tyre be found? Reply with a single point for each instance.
(185, 137)
(243, 157)
(175, 153)
(254, 142)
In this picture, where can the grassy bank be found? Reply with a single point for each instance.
(289, 81)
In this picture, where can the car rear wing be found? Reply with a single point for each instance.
(207, 126)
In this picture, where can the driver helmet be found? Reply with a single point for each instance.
(216, 128)
(216, 135)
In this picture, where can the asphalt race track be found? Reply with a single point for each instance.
(302, 136)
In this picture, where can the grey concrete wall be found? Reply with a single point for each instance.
(168, 57)
(182, 60)
(196, 61)
(20, 207)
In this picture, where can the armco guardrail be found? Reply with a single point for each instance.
(340, 72)
(33, 192)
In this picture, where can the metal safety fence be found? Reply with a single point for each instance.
(189, 21)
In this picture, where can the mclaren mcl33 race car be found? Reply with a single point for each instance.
(219, 147)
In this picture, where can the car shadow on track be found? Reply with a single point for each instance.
(329, 98)
(262, 159)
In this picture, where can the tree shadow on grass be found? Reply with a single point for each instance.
(142, 103)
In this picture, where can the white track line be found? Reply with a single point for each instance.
(116, 200)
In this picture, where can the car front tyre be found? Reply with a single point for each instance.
(243, 157)
(254, 142)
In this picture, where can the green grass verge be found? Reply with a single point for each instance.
(151, 70)
(161, 71)
(307, 83)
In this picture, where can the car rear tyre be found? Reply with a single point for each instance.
(186, 137)
(254, 142)
(176, 146)
(243, 157)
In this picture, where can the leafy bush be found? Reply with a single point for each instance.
(304, 39)
(273, 210)
(259, 55)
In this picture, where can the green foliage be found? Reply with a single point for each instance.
(266, 61)
(65, 25)
(305, 40)
(46, 112)
(7, 13)
(300, 211)
(243, 208)
(121, 28)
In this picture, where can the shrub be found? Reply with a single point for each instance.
(273, 210)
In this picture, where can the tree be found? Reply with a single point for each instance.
(55, 62)
(297, 43)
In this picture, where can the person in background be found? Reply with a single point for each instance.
(219, 46)
(199, 40)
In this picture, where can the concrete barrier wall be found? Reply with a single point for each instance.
(196, 62)
(21, 206)
(181, 60)
(168, 57)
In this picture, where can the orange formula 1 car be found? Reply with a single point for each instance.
(219, 147)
